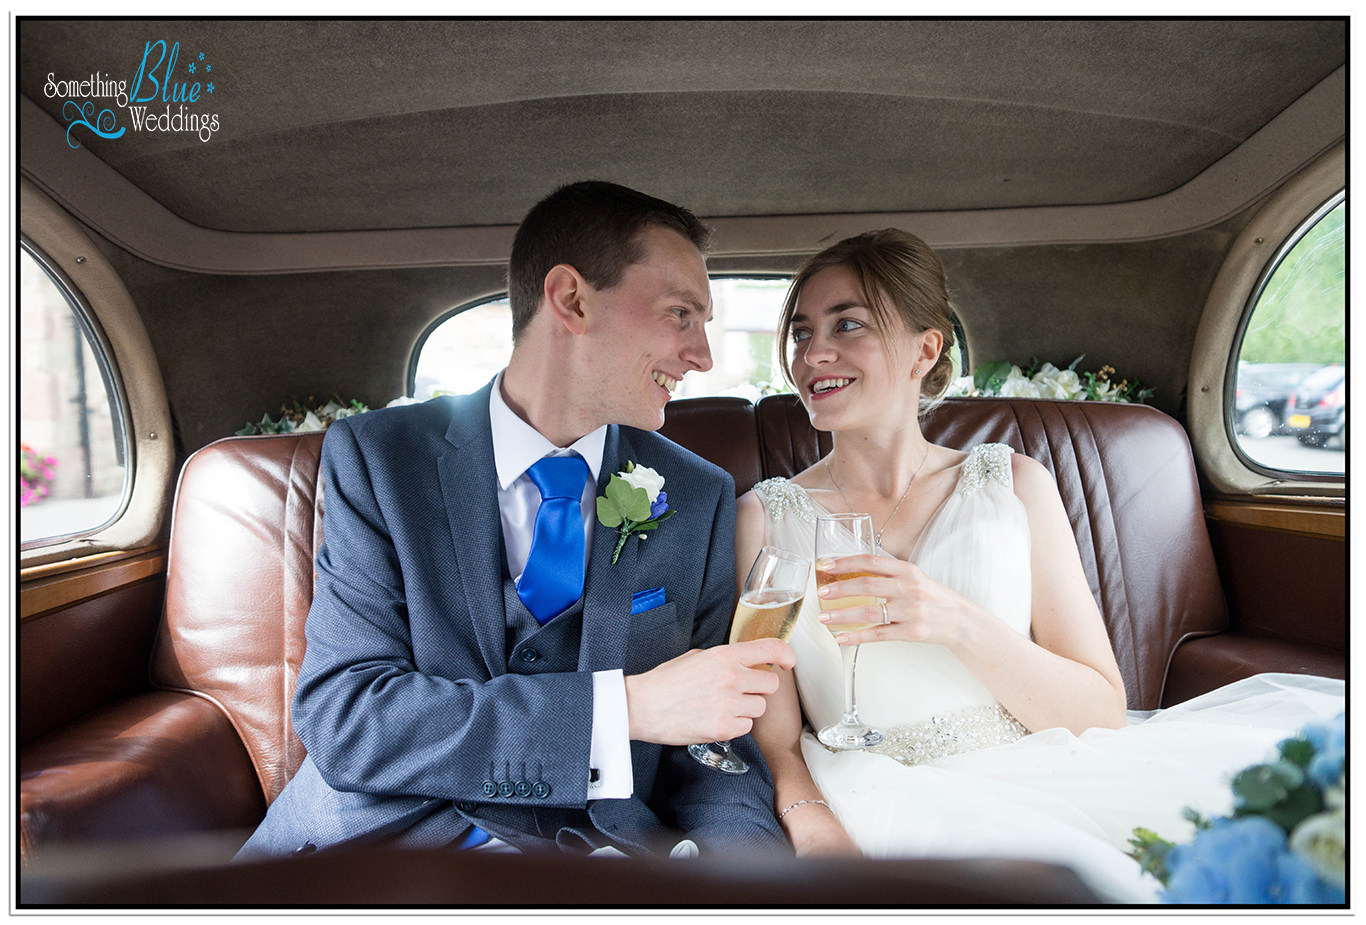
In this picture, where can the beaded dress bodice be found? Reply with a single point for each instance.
(921, 695)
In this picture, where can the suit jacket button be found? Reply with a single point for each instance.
(306, 848)
(465, 806)
(490, 789)
(530, 655)
(505, 789)
(523, 789)
(541, 790)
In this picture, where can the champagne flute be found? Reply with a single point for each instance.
(767, 609)
(845, 535)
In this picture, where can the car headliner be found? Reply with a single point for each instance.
(328, 126)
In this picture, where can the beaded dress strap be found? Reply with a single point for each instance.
(783, 495)
(986, 462)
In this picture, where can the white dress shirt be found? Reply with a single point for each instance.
(516, 447)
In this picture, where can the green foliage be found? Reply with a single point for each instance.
(989, 377)
(1298, 751)
(608, 515)
(1262, 786)
(1150, 851)
(1195, 818)
(1279, 791)
(1301, 316)
(630, 502)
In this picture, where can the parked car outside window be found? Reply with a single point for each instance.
(1317, 410)
(1259, 399)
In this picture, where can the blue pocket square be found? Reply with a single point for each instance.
(646, 600)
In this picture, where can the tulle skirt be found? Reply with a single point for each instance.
(1073, 800)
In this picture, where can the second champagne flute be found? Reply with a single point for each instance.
(845, 535)
(768, 609)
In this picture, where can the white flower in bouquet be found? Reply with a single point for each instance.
(1322, 841)
(961, 387)
(646, 478)
(1057, 384)
(311, 423)
(1017, 386)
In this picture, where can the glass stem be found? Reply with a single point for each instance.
(850, 654)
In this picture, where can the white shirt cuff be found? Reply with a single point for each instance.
(609, 754)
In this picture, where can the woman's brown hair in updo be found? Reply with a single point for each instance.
(901, 279)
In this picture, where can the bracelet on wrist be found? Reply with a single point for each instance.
(801, 803)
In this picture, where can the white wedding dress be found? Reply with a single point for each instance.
(958, 776)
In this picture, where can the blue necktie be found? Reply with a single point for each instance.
(553, 577)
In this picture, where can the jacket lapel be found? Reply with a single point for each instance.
(608, 588)
(469, 487)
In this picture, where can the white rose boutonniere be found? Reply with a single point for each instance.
(633, 501)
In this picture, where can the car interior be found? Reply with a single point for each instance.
(232, 214)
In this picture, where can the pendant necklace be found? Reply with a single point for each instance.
(877, 540)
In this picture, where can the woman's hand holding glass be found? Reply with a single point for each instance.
(914, 608)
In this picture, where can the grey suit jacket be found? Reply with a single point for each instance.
(418, 719)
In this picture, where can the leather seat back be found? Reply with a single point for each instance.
(239, 581)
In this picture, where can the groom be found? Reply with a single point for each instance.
(483, 662)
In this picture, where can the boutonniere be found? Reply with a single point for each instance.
(633, 502)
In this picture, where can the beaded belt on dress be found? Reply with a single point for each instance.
(941, 736)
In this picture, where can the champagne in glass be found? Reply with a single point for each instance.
(845, 535)
(824, 578)
(766, 615)
(768, 609)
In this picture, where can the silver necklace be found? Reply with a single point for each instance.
(878, 538)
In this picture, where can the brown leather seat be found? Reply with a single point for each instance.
(247, 525)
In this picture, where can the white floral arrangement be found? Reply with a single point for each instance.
(1044, 380)
(301, 419)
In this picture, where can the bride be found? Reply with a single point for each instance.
(990, 671)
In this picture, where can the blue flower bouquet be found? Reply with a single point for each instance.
(1286, 841)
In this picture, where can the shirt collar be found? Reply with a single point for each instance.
(517, 445)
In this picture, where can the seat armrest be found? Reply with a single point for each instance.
(1201, 665)
(158, 763)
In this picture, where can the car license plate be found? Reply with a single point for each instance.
(1299, 420)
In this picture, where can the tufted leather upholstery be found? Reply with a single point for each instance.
(248, 522)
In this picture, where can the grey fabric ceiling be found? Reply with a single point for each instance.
(357, 125)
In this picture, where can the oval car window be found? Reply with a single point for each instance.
(1289, 404)
(468, 348)
(73, 475)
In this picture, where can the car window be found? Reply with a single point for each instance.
(73, 476)
(468, 347)
(1288, 407)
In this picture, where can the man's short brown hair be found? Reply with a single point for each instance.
(594, 227)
